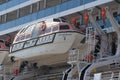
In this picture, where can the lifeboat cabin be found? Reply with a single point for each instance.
(44, 38)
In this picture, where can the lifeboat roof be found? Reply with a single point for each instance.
(49, 22)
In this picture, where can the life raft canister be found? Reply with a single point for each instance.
(43, 27)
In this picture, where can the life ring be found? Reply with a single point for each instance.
(43, 27)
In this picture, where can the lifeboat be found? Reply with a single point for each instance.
(46, 39)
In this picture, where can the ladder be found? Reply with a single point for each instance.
(101, 33)
(90, 37)
(91, 42)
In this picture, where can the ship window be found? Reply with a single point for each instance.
(25, 11)
(50, 3)
(35, 7)
(55, 28)
(42, 5)
(48, 30)
(3, 18)
(64, 27)
(11, 16)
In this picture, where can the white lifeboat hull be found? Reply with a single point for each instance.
(52, 44)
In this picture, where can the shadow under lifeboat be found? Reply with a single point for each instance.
(44, 39)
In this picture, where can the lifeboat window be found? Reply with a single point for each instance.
(29, 29)
(48, 30)
(55, 28)
(22, 37)
(56, 20)
(41, 32)
(64, 27)
(28, 36)
(23, 30)
(18, 38)
(36, 30)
